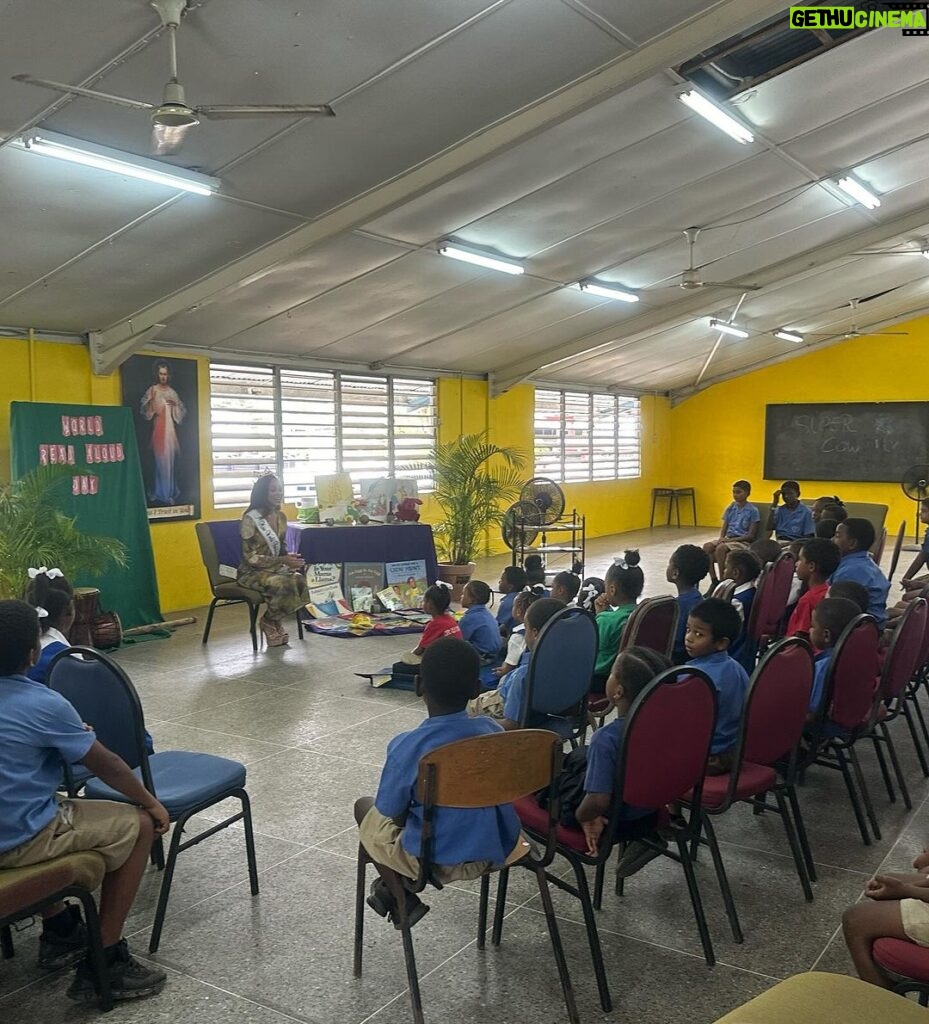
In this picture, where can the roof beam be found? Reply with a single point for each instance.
(702, 301)
(118, 341)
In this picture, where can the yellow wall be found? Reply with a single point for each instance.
(719, 434)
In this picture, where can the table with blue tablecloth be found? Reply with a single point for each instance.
(397, 542)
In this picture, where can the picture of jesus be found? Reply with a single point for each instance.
(162, 405)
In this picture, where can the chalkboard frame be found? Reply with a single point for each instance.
(872, 463)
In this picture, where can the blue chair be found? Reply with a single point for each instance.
(185, 782)
(560, 669)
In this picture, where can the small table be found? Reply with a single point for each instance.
(673, 494)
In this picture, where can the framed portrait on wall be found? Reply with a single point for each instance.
(162, 394)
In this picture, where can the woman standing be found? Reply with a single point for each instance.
(162, 404)
(266, 565)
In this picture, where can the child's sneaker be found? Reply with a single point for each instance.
(57, 951)
(382, 902)
(129, 979)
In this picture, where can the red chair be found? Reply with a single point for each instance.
(667, 740)
(766, 618)
(772, 726)
(920, 676)
(845, 714)
(900, 663)
(906, 963)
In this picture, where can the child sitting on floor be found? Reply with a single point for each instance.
(687, 567)
(743, 568)
(565, 587)
(512, 580)
(897, 908)
(854, 538)
(53, 599)
(436, 601)
(517, 642)
(741, 521)
(478, 627)
(38, 730)
(466, 841)
(624, 584)
(535, 573)
(631, 672)
(712, 627)
(830, 617)
(818, 560)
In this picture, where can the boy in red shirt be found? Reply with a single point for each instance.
(819, 559)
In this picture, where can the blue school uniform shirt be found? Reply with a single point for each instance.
(686, 602)
(39, 670)
(513, 686)
(461, 834)
(731, 682)
(479, 628)
(603, 752)
(739, 520)
(743, 650)
(38, 730)
(793, 523)
(505, 618)
(820, 668)
(860, 567)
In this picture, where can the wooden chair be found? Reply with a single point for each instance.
(483, 771)
(898, 547)
(26, 891)
(227, 591)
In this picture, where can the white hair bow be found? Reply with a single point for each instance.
(442, 583)
(590, 590)
(41, 612)
(620, 561)
(43, 570)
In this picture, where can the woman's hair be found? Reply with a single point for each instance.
(259, 497)
(19, 635)
(439, 597)
(626, 576)
(637, 667)
(54, 595)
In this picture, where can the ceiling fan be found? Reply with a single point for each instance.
(855, 333)
(691, 278)
(173, 117)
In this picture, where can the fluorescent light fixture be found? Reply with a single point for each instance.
(467, 254)
(721, 325)
(702, 106)
(606, 291)
(858, 192)
(789, 336)
(89, 154)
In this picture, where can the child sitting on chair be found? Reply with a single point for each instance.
(743, 568)
(712, 627)
(830, 617)
(565, 587)
(854, 538)
(741, 521)
(790, 521)
(38, 730)
(911, 583)
(818, 560)
(466, 841)
(517, 642)
(624, 584)
(512, 580)
(897, 908)
(687, 567)
(479, 628)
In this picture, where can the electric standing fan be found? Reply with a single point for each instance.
(521, 525)
(547, 497)
(915, 484)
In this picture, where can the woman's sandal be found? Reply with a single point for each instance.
(274, 635)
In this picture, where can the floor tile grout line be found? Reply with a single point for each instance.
(823, 951)
(787, 856)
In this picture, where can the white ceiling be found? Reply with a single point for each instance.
(546, 129)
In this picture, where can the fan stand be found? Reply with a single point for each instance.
(916, 488)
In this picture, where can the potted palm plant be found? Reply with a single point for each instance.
(475, 481)
(34, 532)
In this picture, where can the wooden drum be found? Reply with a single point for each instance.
(106, 631)
(86, 609)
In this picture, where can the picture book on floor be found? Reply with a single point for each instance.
(323, 582)
(361, 582)
(407, 581)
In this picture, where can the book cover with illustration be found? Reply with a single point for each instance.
(324, 584)
(360, 583)
(408, 581)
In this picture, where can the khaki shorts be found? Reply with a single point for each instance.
(103, 826)
(381, 837)
(915, 916)
(490, 704)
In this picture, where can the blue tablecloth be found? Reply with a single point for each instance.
(399, 542)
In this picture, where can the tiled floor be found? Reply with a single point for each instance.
(313, 736)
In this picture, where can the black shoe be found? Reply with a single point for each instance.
(129, 979)
(382, 902)
(57, 951)
(639, 853)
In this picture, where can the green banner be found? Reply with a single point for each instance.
(97, 443)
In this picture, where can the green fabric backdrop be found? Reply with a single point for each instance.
(98, 443)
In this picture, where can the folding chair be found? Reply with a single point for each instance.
(920, 677)
(560, 668)
(483, 771)
(772, 725)
(228, 592)
(27, 891)
(898, 547)
(844, 716)
(185, 782)
(900, 663)
(766, 618)
(666, 743)
(907, 965)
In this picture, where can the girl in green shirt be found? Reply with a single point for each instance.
(624, 584)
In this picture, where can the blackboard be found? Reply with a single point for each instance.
(873, 441)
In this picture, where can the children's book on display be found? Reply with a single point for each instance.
(324, 585)
(361, 583)
(406, 585)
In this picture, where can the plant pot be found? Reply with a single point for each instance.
(458, 576)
